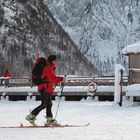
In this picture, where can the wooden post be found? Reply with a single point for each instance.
(121, 85)
(118, 84)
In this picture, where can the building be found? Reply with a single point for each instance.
(133, 53)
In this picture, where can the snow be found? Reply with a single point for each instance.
(3, 78)
(74, 89)
(134, 70)
(99, 28)
(107, 122)
(9, 14)
(133, 90)
(118, 76)
(134, 48)
(18, 89)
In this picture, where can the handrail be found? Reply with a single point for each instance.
(134, 70)
(70, 80)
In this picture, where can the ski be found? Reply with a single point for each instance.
(49, 126)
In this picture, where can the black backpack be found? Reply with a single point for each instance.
(37, 71)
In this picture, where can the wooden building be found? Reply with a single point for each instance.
(133, 53)
(133, 89)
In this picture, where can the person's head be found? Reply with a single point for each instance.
(6, 70)
(53, 59)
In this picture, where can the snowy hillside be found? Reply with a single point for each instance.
(100, 28)
(28, 30)
(107, 122)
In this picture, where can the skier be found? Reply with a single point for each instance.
(46, 91)
(7, 74)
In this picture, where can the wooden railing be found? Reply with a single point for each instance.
(74, 86)
(71, 81)
(15, 82)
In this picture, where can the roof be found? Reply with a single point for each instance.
(132, 49)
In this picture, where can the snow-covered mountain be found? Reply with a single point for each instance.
(28, 30)
(100, 28)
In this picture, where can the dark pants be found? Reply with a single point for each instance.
(46, 102)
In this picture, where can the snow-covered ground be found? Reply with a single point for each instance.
(107, 122)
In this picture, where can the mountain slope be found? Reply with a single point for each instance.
(28, 30)
(100, 28)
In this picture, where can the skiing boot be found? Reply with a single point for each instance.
(31, 119)
(51, 122)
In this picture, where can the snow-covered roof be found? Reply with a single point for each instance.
(134, 48)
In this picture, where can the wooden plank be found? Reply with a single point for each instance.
(134, 66)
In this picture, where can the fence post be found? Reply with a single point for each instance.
(118, 84)
(121, 87)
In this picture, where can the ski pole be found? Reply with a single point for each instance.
(55, 86)
(59, 100)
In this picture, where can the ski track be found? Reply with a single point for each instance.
(107, 122)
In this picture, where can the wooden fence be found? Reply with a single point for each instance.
(75, 88)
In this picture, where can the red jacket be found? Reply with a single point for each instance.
(41, 86)
(51, 78)
(7, 74)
